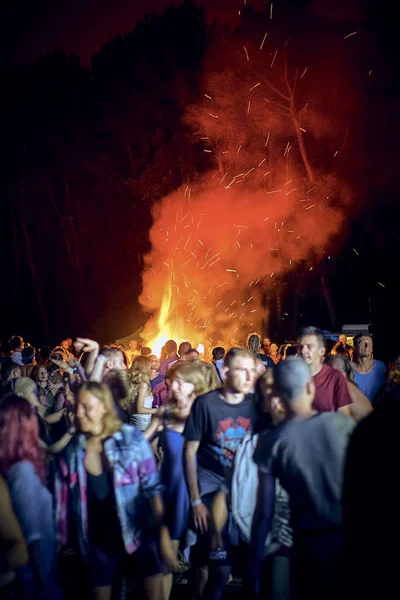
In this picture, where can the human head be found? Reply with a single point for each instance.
(95, 410)
(44, 353)
(184, 348)
(253, 343)
(141, 364)
(266, 343)
(133, 345)
(270, 402)
(363, 345)
(294, 385)
(273, 348)
(193, 354)
(311, 344)
(239, 371)
(40, 374)
(28, 355)
(66, 344)
(341, 363)
(121, 386)
(343, 339)
(187, 382)
(16, 343)
(114, 359)
(19, 435)
(26, 388)
(154, 367)
(9, 370)
(218, 353)
(171, 347)
(290, 351)
(209, 374)
(145, 351)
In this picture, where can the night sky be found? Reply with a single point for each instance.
(74, 232)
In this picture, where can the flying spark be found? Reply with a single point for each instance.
(262, 43)
(247, 54)
(254, 86)
(350, 35)
(304, 72)
(273, 60)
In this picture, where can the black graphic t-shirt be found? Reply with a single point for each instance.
(220, 428)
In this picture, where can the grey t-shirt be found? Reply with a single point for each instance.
(308, 458)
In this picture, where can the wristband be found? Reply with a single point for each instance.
(196, 502)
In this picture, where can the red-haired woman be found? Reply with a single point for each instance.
(22, 464)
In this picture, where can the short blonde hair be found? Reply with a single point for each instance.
(191, 372)
(101, 391)
(23, 386)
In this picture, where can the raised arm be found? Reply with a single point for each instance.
(87, 345)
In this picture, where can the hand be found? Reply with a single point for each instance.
(167, 550)
(68, 393)
(70, 417)
(201, 517)
(85, 345)
(54, 387)
(62, 365)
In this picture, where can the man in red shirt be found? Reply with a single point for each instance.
(331, 393)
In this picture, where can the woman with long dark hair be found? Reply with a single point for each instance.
(22, 464)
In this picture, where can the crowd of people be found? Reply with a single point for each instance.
(120, 469)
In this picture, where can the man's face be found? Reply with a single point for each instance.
(240, 375)
(342, 340)
(266, 344)
(184, 348)
(364, 346)
(118, 361)
(310, 350)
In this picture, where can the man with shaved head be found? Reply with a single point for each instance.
(307, 455)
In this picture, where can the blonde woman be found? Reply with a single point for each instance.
(141, 405)
(109, 476)
(187, 381)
